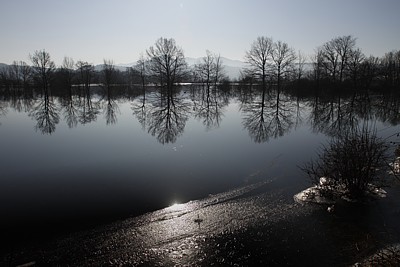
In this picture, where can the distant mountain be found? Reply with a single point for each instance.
(232, 68)
(120, 67)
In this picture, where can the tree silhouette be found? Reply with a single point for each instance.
(20, 72)
(336, 53)
(43, 67)
(166, 62)
(142, 68)
(86, 71)
(283, 58)
(210, 70)
(355, 66)
(68, 71)
(258, 58)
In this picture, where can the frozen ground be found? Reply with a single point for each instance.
(249, 226)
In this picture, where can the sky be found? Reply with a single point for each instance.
(120, 30)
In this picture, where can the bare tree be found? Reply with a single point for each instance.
(258, 57)
(43, 66)
(331, 59)
(167, 61)
(19, 72)
(301, 61)
(109, 78)
(354, 64)
(344, 45)
(283, 58)
(68, 63)
(14, 73)
(205, 70)
(336, 54)
(141, 68)
(397, 66)
(218, 69)
(318, 66)
(85, 72)
(67, 68)
(25, 71)
(108, 73)
(390, 64)
(370, 69)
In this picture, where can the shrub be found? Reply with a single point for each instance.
(352, 162)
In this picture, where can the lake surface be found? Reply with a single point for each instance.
(105, 156)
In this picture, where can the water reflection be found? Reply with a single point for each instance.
(140, 110)
(388, 109)
(3, 109)
(167, 116)
(88, 110)
(70, 107)
(266, 113)
(208, 104)
(335, 114)
(45, 112)
(203, 167)
(267, 116)
(110, 106)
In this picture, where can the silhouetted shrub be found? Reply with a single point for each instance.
(352, 163)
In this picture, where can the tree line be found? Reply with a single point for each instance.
(270, 64)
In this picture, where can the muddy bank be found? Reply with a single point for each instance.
(253, 225)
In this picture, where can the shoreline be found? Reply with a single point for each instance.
(253, 225)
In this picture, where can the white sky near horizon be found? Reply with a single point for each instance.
(93, 30)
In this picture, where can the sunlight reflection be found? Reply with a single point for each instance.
(176, 207)
(179, 224)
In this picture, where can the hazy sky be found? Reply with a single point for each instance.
(121, 29)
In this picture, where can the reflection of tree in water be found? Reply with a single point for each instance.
(167, 116)
(140, 110)
(45, 112)
(281, 114)
(267, 118)
(110, 107)
(337, 114)
(110, 112)
(88, 110)
(17, 103)
(208, 106)
(70, 108)
(254, 121)
(3, 109)
(387, 109)
(18, 100)
(109, 78)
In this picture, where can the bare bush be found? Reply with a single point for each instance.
(352, 162)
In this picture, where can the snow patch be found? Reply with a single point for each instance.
(317, 194)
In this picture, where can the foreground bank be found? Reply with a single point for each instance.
(254, 225)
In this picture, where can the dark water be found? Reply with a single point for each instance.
(75, 160)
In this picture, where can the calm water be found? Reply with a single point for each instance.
(104, 157)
